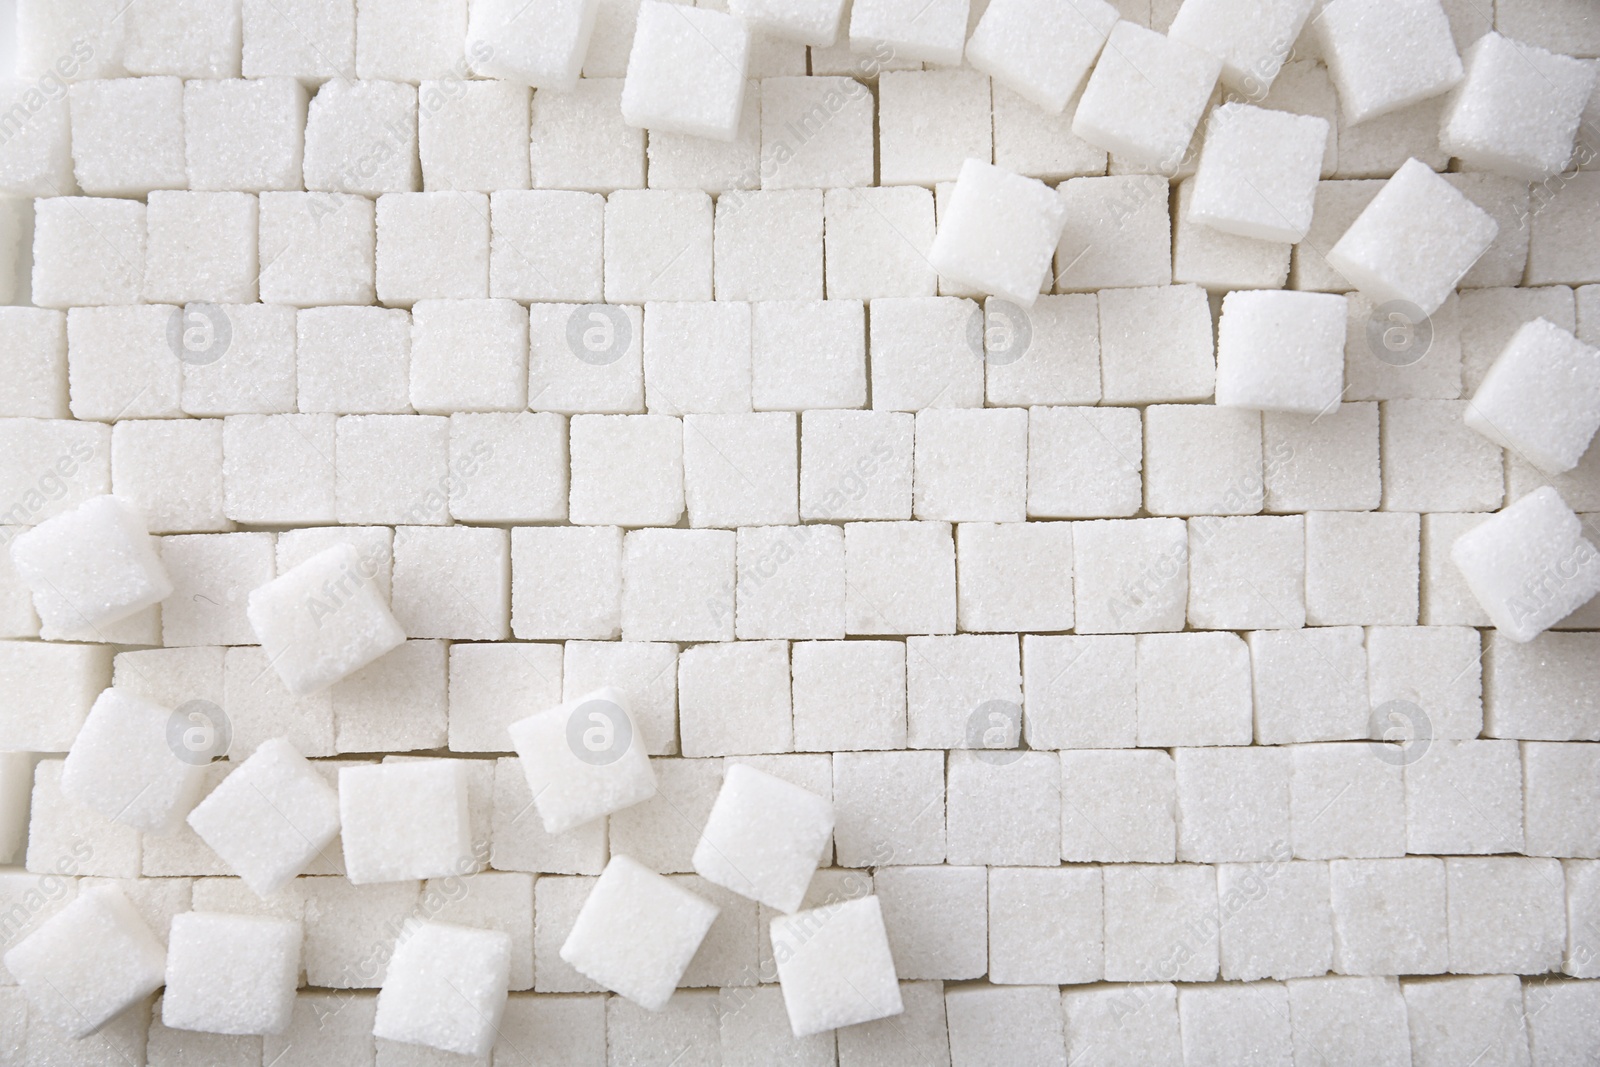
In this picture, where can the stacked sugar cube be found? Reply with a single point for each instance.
(615, 531)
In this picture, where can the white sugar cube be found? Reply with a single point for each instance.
(697, 357)
(1032, 141)
(1117, 234)
(688, 1024)
(871, 672)
(900, 30)
(322, 620)
(834, 966)
(1541, 397)
(1221, 261)
(1557, 779)
(1362, 569)
(1288, 930)
(1137, 1022)
(740, 469)
(1011, 576)
(1047, 355)
(37, 342)
(452, 582)
(763, 838)
(445, 988)
(999, 233)
(1359, 1020)
(230, 974)
(306, 40)
(686, 72)
(1257, 175)
(749, 225)
(127, 135)
(790, 582)
(1560, 1018)
(963, 691)
(1335, 206)
(432, 245)
(126, 764)
(1414, 241)
(855, 464)
(396, 703)
(1247, 572)
(37, 159)
(1178, 481)
(58, 824)
(1252, 43)
(1001, 808)
(361, 137)
(68, 593)
(1175, 710)
(1148, 911)
(509, 467)
(1016, 1024)
(658, 244)
(1042, 51)
(583, 759)
(190, 40)
(1118, 807)
(662, 832)
(610, 450)
(1507, 914)
(1132, 575)
(1388, 915)
(1437, 668)
(171, 471)
(1084, 462)
(543, 47)
(1310, 685)
(876, 243)
(350, 930)
(1518, 109)
(579, 139)
(1213, 1017)
(807, 354)
(402, 821)
(1490, 772)
(491, 683)
(270, 818)
(49, 690)
(688, 161)
(800, 152)
(518, 841)
(1233, 804)
(678, 585)
(1460, 1018)
(1327, 461)
(646, 671)
(393, 468)
(495, 377)
(410, 40)
(322, 1026)
(1080, 692)
(545, 244)
(1357, 39)
(1507, 201)
(245, 135)
(88, 251)
(1490, 318)
(889, 807)
(88, 963)
(956, 479)
(1529, 566)
(566, 582)
(813, 22)
(120, 363)
(923, 355)
(1045, 926)
(1346, 801)
(899, 578)
(316, 248)
(1156, 343)
(200, 247)
(1555, 251)
(936, 919)
(929, 123)
(733, 698)
(278, 468)
(1418, 435)
(665, 926)
(1145, 96)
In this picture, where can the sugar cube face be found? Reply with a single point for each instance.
(1359, 1018)
(751, 223)
(836, 153)
(545, 244)
(120, 363)
(1372, 81)
(1209, 1016)
(734, 699)
(71, 595)
(1024, 946)
(686, 161)
(1233, 804)
(1414, 241)
(323, 620)
(1079, 692)
(51, 688)
(1178, 481)
(1361, 569)
(876, 243)
(813, 947)
(697, 357)
(1117, 234)
(1118, 807)
(1252, 51)
(37, 340)
(686, 71)
(361, 137)
(545, 51)
(1084, 462)
(855, 464)
(171, 471)
(1131, 575)
(880, 26)
(583, 759)
(1451, 1016)
(480, 675)
(1518, 108)
(270, 818)
(1487, 939)
(1538, 399)
(662, 832)
(186, 39)
(1042, 52)
(37, 160)
(899, 578)
(302, 40)
(445, 988)
(666, 571)
(1555, 776)
(1247, 572)
(1344, 802)
(1416, 435)
(658, 244)
(127, 135)
(566, 582)
(88, 963)
(230, 974)
(1147, 910)
(352, 359)
(917, 901)
(963, 691)
(929, 123)
(245, 135)
(637, 932)
(1554, 254)
(1156, 344)
(1218, 261)
(1257, 175)
(998, 249)
(740, 469)
(1388, 915)
(432, 245)
(790, 582)
(1011, 576)
(1529, 566)
(986, 790)
(808, 354)
(1328, 461)
(1145, 96)
(402, 821)
(647, 671)
(1310, 685)
(71, 264)
(956, 479)
(125, 764)
(1490, 772)
(580, 141)
(923, 353)
(317, 249)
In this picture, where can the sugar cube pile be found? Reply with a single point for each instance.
(904, 532)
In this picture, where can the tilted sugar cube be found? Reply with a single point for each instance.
(1257, 175)
(323, 620)
(1252, 40)
(764, 838)
(999, 233)
(1372, 75)
(1041, 49)
(1281, 351)
(583, 759)
(269, 818)
(127, 764)
(811, 22)
(834, 966)
(405, 820)
(637, 932)
(1541, 397)
(445, 988)
(91, 566)
(1145, 96)
(89, 962)
(1518, 110)
(1529, 566)
(231, 974)
(1414, 241)
(686, 72)
(542, 45)
(1221, 261)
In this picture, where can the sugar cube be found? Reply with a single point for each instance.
(1436, 668)
(734, 699)
(53, 465)
(889, 807)
(1228, 482)
(305, 40)
(807, 354)
(1554, 254)
(899, 578)
(1156, 344)
(545, 244)
(491, 683)
(1359, 1019)
(748, 226)
(551, 568)
(452, 582)
(1415, 240)
(495, 378)
(410, 40)
(658, 244)
(37, 341)
(791, 582)
(120, 363)
(335, 587)
(1011, 576)
(1139, 1022)
(1529, 566)
(1233, 804)
(361, 137)
(914, 148)
(127, 135)
(834, 966)
(49, 690)
(855, 464)
(545, 50)
(957, 481)
(186, 39)
(245, 135)
(646, 965)
(900, 31)
(1518, 109)
(67, 836)
(1437, 820)
(170, 470)
(1131, 575)
(1557, 779)
(1346, 801)
(666, 570)
(1388, 915)
(1416, 435)
(924, 353)
(1461, 1018)
(963, 691)
(605, 447)
(1327, 461)
(756, 489)
(432, 245)
(580, 141)
(1117, 234)
(686, 161)
(212, 577)
(1310, 685)
(1281, 351)
(1212, 1017)
(88, 963)
(445, 988)
(1541, 397)
(88, 251)
(1540, 690)
(1253, 45)
(1041, 51)
(646, 671)
(1560, 1019)
(316, 248)
(1257, 175)
(1160, 923)
(1247, 572)
(1361, 569)
(583, 759)
(278, 468)
(402, 821)
(1084, 462)
(1356, 37)
(816, 132)
(999, 233)
(1002, 807)
(126, 764)
(662, 832)
(1276, 920)
(36, 159)
(1221, 261)
(1490, 318)
(763, 838)
(686, 72)
(1045, 926)
(1145, 96)
(697, 357)
(201, 247)
(872, 673)
(393, 468)
(1506, 914)
(916, 901)
(69, 595)
(518, 841)
(1118, 807)
(876, 243)
(1017, 1024)
(230, 974)
(1507, 202)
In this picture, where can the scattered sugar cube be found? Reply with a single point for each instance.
(1252, 44)
(1541, 397)
(432, 245)
(1490, 318)
(1336, 205)
(749, 225)
(1415, 240)
(1042, 51)
(1145, 96)
(393, 468)
(876, 241)
(1437, 668)
(899, 578)
(566, 582)
(445, 988)
(1346, 802)
(658, 244)
(733, 698)
(1310, 685)
(361, 137)
(848, 695)
(1361, 569)
(686, 72)
(936, 919)
(1117, 234)
(889, 807)
(518, 841)
(1541, 689)
(404, 821)
(1257, 175)
(1084, 462)
(1322, 462)
(544, 50)
(88, 251)
(1557, 781)
(1507, 202)
(127, 135)
(583, 759)
(1437, 821)
(923, 355)
(124, 763)
(89, 962)
(834, 966)
(1529, 566)
(1518, 109)
(1219, 261)
(230, 974)
(65, 835)
(302, 39)
(999, 232)
(665, 925)
(1002, 808)
(763, 838)
(687, 161)
(579, 139)
(245, 135)
(1233, 804)
(666, 571)
(127, 576)
(1357, 38)
(316, 249)
(120, 363)
(1131, 575)
(900, 31)
(1149, 911)
(801, 150)
(662, 832)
